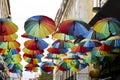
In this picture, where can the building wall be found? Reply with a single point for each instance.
(4, 9)
(78, 9)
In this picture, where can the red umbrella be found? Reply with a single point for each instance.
(7, 27)
(35, 44)
(31, 67)
(47, 67)
(57, 50)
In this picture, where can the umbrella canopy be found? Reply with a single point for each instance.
(25, 50)
(81, 49)
(107, 27)
(35, 44)
(15, 68)
(9, 45)
(32, 58)
(114, 43)
(8, 38)
(63, 66)
(7, 27)
(89, 44)
(63, 36)
(52, 56)
(9, 58)
(47, 67)
(39, 26)
(63, 44)
(10, 51)
(53, 50)
(72, 56)
(31, 67)
(73, 27)
(75, 65)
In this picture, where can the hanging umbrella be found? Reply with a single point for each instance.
(53, 50)
(73, 27)
(89, 44)
(107, 27)
(35, 44)
(52, 56)
(114, 43)
(32, 58)
(39, 26)
(31, 67)
(90, 59)
(9, 51)
(15, 68)
(74, 65)
(79, 49)
(62, 36)
(72, 56)
(25, 50)
(47, 67)
(63, 66)
(63, 44)
(9, 45)
(10, 58)
(7, 27)
(7, 38)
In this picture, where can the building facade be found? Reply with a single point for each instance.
(5, 9)
(80, 10)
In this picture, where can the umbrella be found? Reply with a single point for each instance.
(47, 67)
(89, 44)
(10, 58)
(32, 58)
(9, 45)
(73, 27)
(63, 36)
(15, 68)
(53, 50)
(52, 56)
(10, 51)
(63, 66)
(114, 43)
(25, 50)
(76, 66)
(63, 44)
(31, 67)
(81, 49)
(8, 38)
(39, 26)
(72, 56)
(107, 27)
(35, 44)
(7, 27)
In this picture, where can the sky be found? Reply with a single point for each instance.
(21, 10)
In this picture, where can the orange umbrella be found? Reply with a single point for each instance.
(7, 27)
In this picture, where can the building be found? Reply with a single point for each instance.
(5, 9)
(80, 10)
